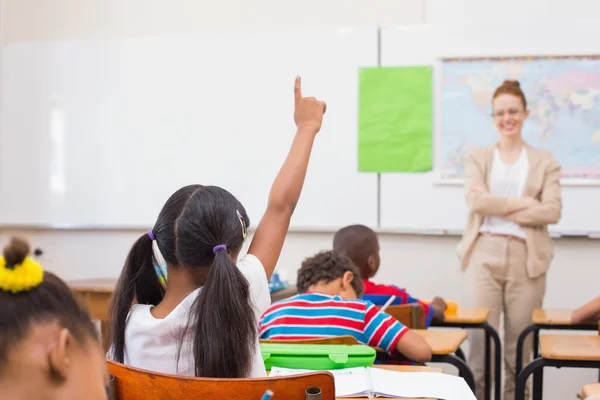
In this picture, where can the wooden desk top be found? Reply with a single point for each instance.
(570, 347)
(107, 286)
(95, 285)
(468, 316)
(443, 342)
(590, 390)
(552, 317)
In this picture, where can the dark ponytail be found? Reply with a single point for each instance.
(138, 281)
(226, 329)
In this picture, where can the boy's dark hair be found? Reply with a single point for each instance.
(327, 266)
(50, 301)
(192, 222)
(357, 242)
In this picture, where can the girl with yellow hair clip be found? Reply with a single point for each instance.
(48, 344)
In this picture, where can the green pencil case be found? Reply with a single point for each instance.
(316, 356)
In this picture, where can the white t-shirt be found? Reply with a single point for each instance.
(151, 343)
(506, 180)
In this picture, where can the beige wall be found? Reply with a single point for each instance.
(425, 264)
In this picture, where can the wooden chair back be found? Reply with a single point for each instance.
(131, 383)
(409, 315)
(325, 340)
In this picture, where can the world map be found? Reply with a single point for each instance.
(563, 94)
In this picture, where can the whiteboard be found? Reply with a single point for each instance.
(415, 202)
(101, 132)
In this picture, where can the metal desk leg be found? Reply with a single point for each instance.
(459, 353)
(536, 366)
(520, 343)
(463, 368)
(491, 333)
(538, 383)
(488, 377)
(536, 344)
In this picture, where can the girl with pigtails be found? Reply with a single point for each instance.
(205, 321)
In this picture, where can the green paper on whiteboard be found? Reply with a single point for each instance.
(395, 119)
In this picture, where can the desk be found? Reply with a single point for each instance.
(443, 343)
(552, 319)
(569, 351)
(94, 295)
(476, 318)
(399, 368)
(590, 390)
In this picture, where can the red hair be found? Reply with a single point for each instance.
(513, 88)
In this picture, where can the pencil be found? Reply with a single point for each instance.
(387, 303)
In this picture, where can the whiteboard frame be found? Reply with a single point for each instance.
(298, 229)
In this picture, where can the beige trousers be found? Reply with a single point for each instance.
(500, 283)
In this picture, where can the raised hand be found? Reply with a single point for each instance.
(308, 111)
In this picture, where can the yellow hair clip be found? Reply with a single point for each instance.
(23, 277)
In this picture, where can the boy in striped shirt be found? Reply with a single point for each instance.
(361, 245)
(329, 285)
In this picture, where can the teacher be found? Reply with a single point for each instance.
(513, 193)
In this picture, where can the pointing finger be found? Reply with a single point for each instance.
(297, 90)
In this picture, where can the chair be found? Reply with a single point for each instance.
(409, 315)
(325, 340)
(131, 383)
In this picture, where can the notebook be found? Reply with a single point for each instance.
(375, 382)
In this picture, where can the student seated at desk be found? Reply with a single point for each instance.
(48, 344)
(205, 322)
(588, 313)
(361, 245)
(329, 285)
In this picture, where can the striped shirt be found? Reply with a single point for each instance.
(314, 315)
(380, 294)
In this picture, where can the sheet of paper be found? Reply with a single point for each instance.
(420, 384)
(349, 382)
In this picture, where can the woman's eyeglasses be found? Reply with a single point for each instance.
(513, 112)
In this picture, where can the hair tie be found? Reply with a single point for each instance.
(151, 235)
(23, 277)
(219, 247)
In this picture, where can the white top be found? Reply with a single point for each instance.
(151, 343)
(506, 180)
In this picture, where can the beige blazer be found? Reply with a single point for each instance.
(543, 183)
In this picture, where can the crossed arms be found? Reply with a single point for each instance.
(526, 211)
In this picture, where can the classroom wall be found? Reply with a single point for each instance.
(425, 264)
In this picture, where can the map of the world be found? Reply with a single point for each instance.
(563, 94)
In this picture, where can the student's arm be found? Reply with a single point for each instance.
(285, 192)
(383, 331)
(414, 347)
(478, 198)
(548, 211)
(589, 312)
